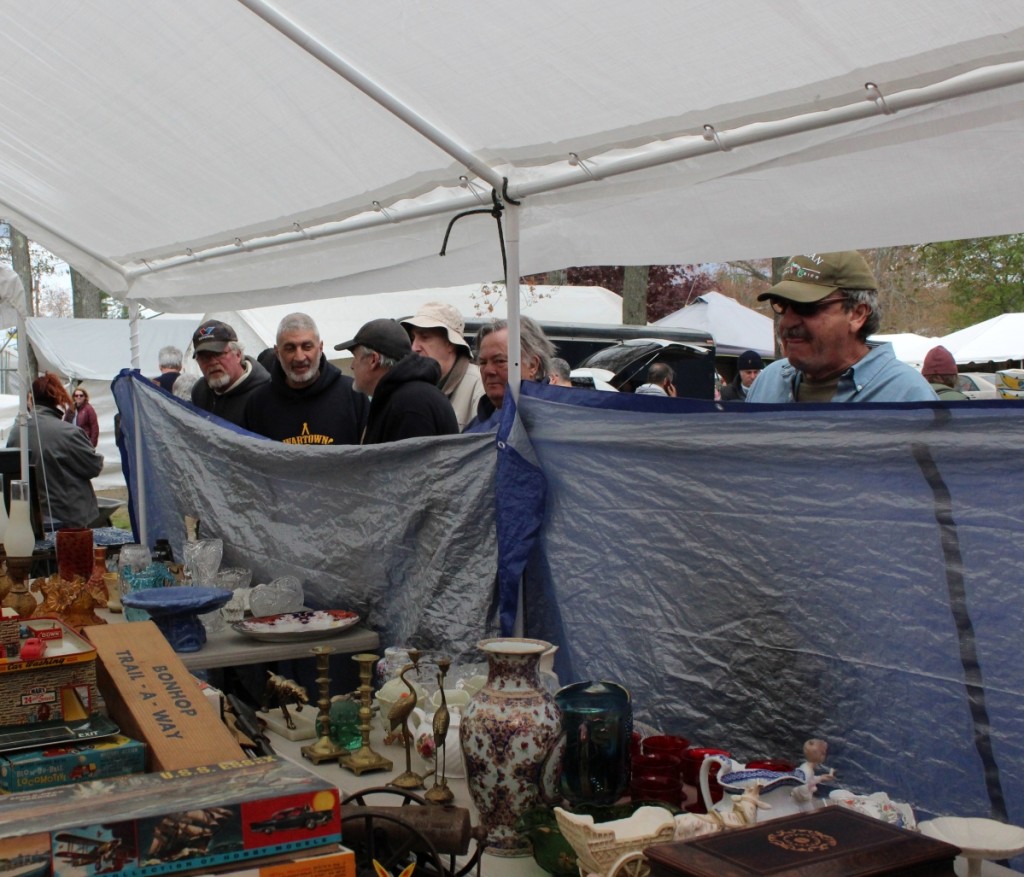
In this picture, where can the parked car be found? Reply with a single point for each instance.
(629, 361)
(977, 385)
(627, 352)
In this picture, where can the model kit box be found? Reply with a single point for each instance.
(196, 818)
(60, 765)
(341, 863)
(152, 696)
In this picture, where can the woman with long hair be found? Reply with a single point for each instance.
(80, 412)
(66, 462)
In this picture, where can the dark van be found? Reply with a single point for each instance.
(627, 352)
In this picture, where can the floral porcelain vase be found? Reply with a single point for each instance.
(508, 732)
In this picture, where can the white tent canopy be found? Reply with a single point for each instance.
(339, 319)
(908, 346)
(196, 156)
(96, 350)
(734, 327)
(997, 340)
(93, 352)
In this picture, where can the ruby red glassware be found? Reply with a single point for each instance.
(694, 758)
(664, 744)
(655, 787)
(779, 765)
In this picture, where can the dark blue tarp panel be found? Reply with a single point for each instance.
(760, 575)
(402, 533)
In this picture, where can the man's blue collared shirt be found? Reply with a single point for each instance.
(878, 377)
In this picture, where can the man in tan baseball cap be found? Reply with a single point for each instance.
(435, 330)
(827, 307)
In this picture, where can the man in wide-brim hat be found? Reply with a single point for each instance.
(435, 330)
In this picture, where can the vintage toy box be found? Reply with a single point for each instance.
(63, 764)
(152, 697)
(57, 686)
(340, 862)
(196, 818)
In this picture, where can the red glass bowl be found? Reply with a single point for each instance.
(694, 758)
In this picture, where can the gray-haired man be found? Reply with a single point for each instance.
(229, 377)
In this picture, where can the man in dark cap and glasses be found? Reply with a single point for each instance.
(404, 399)
(828, 306)
(229, 377)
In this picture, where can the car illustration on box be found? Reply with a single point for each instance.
(293, 817)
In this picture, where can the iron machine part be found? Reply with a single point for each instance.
(437, 837)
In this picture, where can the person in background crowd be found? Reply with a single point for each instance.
(436, 331)
(169, 359)
(559, 373)
(492, 357)
(229, 377)
(828, 306)
(308, 401)
(939, 369)
(659, 381)
(83, 415)
(748, 366)
(69, 462)
(405, 401)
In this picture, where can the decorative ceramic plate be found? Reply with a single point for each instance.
(297, 626)
(768, 780)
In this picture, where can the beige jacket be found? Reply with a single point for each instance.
(465, 394)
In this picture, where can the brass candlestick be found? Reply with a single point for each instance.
(439, 793)
(324, 749)
(364, 758)
(18, 597)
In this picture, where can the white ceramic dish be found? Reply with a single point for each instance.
(977, 837)
(308, 624)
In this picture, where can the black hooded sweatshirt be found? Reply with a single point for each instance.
(327, 412)
(407, 403)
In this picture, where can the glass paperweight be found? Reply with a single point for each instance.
(344, 724)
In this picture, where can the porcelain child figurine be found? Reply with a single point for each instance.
(815, 753)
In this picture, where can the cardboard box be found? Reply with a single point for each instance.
(153, 698)
(59, 686)
(60, 765)
(336, 864)
(195, 818)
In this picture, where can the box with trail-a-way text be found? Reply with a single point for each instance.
(152, 697)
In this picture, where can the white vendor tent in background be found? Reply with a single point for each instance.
(93, 352)
(339, 319)
(997, 340)
(734, 327)
(908, 346)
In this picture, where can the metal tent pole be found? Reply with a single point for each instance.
(140, 472)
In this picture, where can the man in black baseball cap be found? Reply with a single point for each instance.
(228, 375)
(827, 305)
(404, 399)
